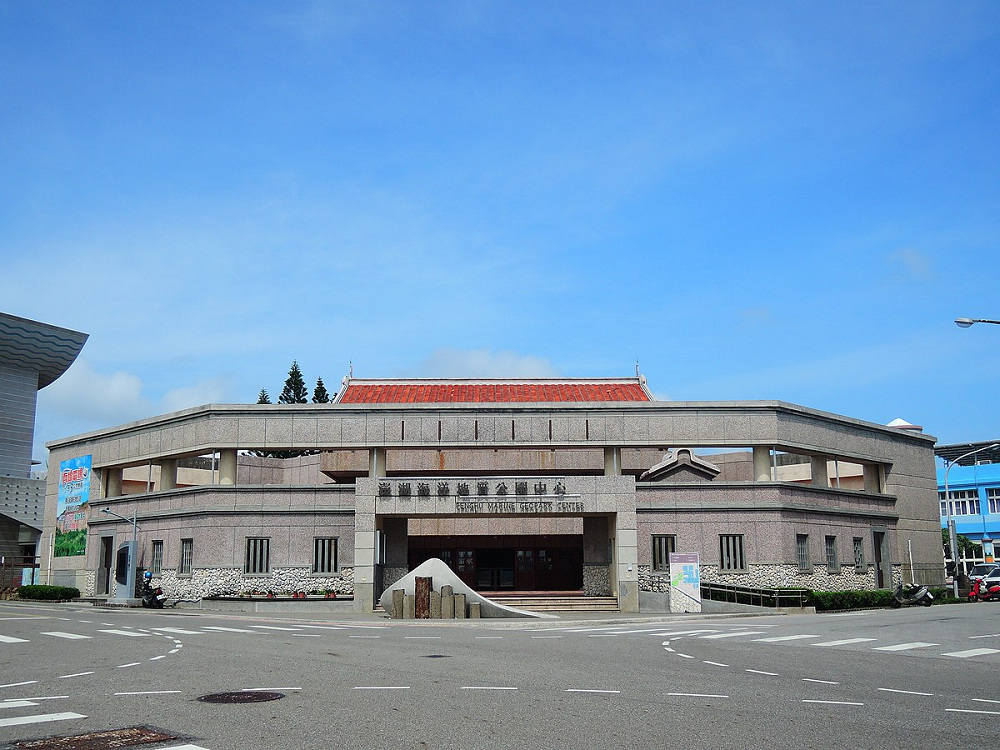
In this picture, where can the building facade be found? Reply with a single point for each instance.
(972, 494)
(529, 485)
(32, 356)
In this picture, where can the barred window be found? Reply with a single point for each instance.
(731, 552)
(663, 545)
(832, 563)
(156, 563)
(257, 560)
(187, 557)
(802, 552)
(325, 555)
(859, 555)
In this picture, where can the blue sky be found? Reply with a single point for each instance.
(786, 200)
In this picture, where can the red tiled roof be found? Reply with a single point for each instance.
(511, 392)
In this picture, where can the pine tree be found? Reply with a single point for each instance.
(295, 391)
(263, 397)
(320, 396)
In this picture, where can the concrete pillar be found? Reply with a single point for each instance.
(597, 550)
(460, 611)
(435, 605)
(873, 478)
(112, 482)
(376, 462)
(397, 604)
(761, 463)
(227, 467)
(820, 474)
(168, 474)
(447, 603)
(612, 462)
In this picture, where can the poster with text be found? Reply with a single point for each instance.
(685, 582)
(71, 513)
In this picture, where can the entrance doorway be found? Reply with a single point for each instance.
(103, 583)
(507, 563)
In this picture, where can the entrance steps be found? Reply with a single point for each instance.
(555, 602)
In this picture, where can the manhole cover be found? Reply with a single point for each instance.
(104, 740)
(243, 696)
(437, 656)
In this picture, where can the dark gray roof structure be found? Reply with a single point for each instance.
(40, 347)
(988, 452)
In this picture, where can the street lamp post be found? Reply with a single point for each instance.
(952, 536)
(966, 322)
(130, 575)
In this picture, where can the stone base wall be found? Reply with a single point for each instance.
(773, 577)
(596, 580)
(232, 581)
(391, 575)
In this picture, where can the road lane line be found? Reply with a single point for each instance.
(546, 637)
(229, 630)
(731, 635)
(821, 682)
(985, 700)
(486, 687)
(970, 711)
(904, 692)
(272, 627)
(994, 635)
(267, 689)
(75, 674)
(18, 684)
(17, 703)
(129, 633)
(60, 634)
(364, 636)
(178, 631)
(498, 637)
(157, 658)
(715, 663)
(421, 638)
(973, 652)
(697, 695)
(150, 692)
(381, 687)
(130, 664)
(586, 690)
(843, 642)
(780, 638)
(904, 646)
(833, 703)
(759, 671)
(39, 719)
(11, 639)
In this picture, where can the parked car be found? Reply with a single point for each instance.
(989, 572)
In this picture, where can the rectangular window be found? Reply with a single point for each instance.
(325, 555)
(993, 498)
(963, 503)
(731, 552)
(663, 545)
(156, 563)
(257, 560)
(466, 561)
(859, 555)
(832, 563)
(187, 557)
(802, 552)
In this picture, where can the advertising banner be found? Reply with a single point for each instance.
(71, 513)
(685, 582)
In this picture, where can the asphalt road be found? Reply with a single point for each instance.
(914, 677)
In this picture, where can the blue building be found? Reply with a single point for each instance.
(970, 475)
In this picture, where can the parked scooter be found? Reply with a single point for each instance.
(912, 594)
(984, 592)
(152, 597)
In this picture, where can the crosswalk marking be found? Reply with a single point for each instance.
(16, 704)
(129, 633)
(845, 642)
(228, 630)
(40, 719)
(60, 634)
(11, 639)
(271, 627)
(904, 646)
(178, 631)
(732, 635)
(778, 639)
(973, 652)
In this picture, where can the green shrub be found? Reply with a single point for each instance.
(853, 599)
(48, 593)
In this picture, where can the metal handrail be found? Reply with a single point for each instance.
(760, 597)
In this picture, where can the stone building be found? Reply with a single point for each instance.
(581, 485)
(32, 356)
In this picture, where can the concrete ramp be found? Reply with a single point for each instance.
(441, 575)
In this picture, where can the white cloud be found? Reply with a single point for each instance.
(86, 395)
(910, 265)
(211, 391)
(484, 363)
